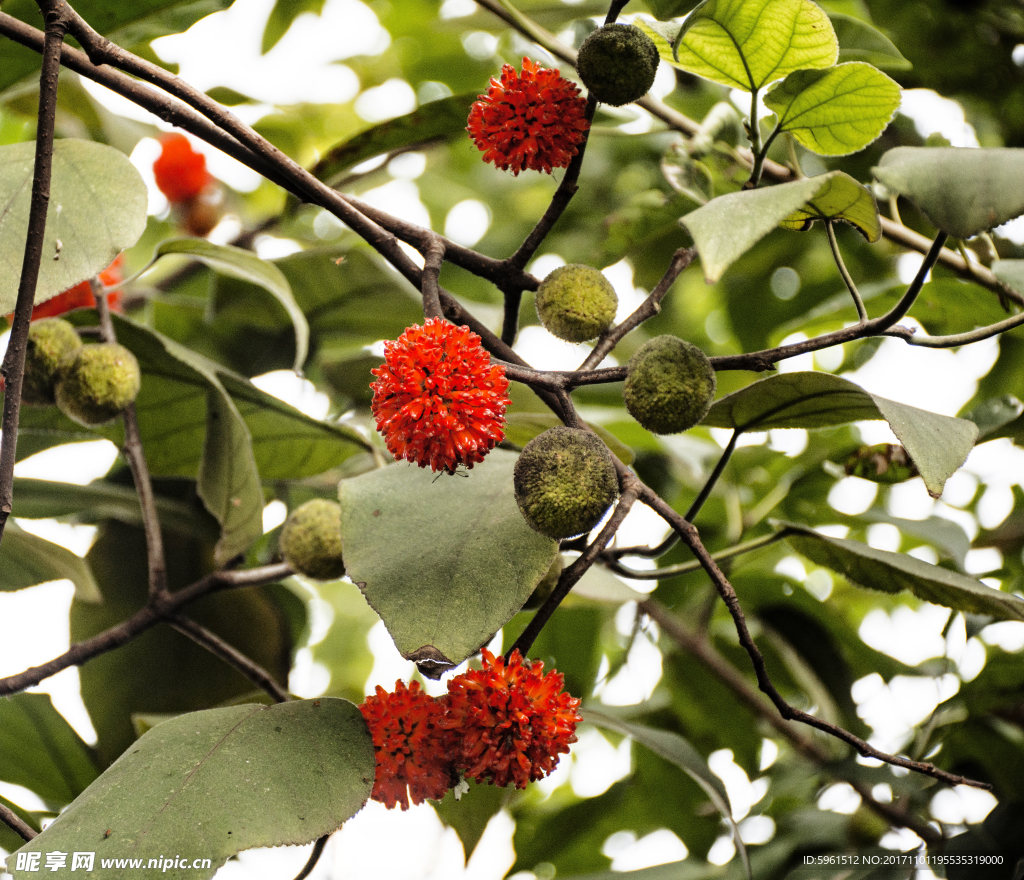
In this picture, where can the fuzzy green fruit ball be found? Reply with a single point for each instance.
(50, 342)
(311, 540)
(97, 382)
(670, 385)
(564, 482)
(617, 64)
(576, 303)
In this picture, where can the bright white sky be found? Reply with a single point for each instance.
(223, 50)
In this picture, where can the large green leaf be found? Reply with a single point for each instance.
(962, 191)
(43, 499)
(1010, 272)
(211, 784)
(41, 751)
(475, 559)
(676, 750)
(747, 44)
(859, 41)
(162, 671)
(243, 264)
(125, 23)
(840, 198)
(896, 572)
(937, 444)
(27, 560)
(727, 227)
(835, 111)
(97, 209)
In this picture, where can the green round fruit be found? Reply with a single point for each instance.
(97, 382)
(618, 63)
(311, 540)
(564, 482)
(670, 385)
(50, 342)
(576, 303)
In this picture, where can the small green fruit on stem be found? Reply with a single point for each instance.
(576, 303)
(618, 63)
(670, 385)
(51, 342)
(311, 540)
(565, 481)
(96, 382)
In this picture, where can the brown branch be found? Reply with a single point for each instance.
(135, 455)
(570, 576)
(13, 367)
(13, 821)
(691, 538)
(314, 857)
(647, 309)
(230, 655)
(433, 257)
(157, 609)
(702, 649)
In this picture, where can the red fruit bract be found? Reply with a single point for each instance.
(511, 720)
(438, 400)
(530, 120)
(412, 761)
(80, 295)
(180, 172)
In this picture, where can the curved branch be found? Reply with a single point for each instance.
(13, 821)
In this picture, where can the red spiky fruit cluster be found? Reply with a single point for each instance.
(179, 170)
(505, 723)
(535, 119)
(438, 400)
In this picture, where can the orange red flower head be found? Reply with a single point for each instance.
(534, 119)
(438, 400)
(505, 723)
(179, 170)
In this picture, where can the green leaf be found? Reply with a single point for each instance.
(859, 41)
(727, 227)
(475, 559)
(994, 414)
(1010, 272)
(895, 572)
(837, 111)
(243, 264)
(162, 671)
(44, 499)
(217, 782)
(746, 44)
(840, 198)
(937, 444)
(676, 750)
(431, 122)
(521, 428)
(281, 17)
(962, 191)
(97, 209)
(27, 560)
(41, 751)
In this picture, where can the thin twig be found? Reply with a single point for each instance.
(691, 538)
(135, 455)
(570, 576)
(510, 317)
(230, 655)
(701, 648)
(13, 368)
(13, 821)
(830, 231)
(705, 492)
(611, 557)
(145, 618)
(314, 857)
(647, 309)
